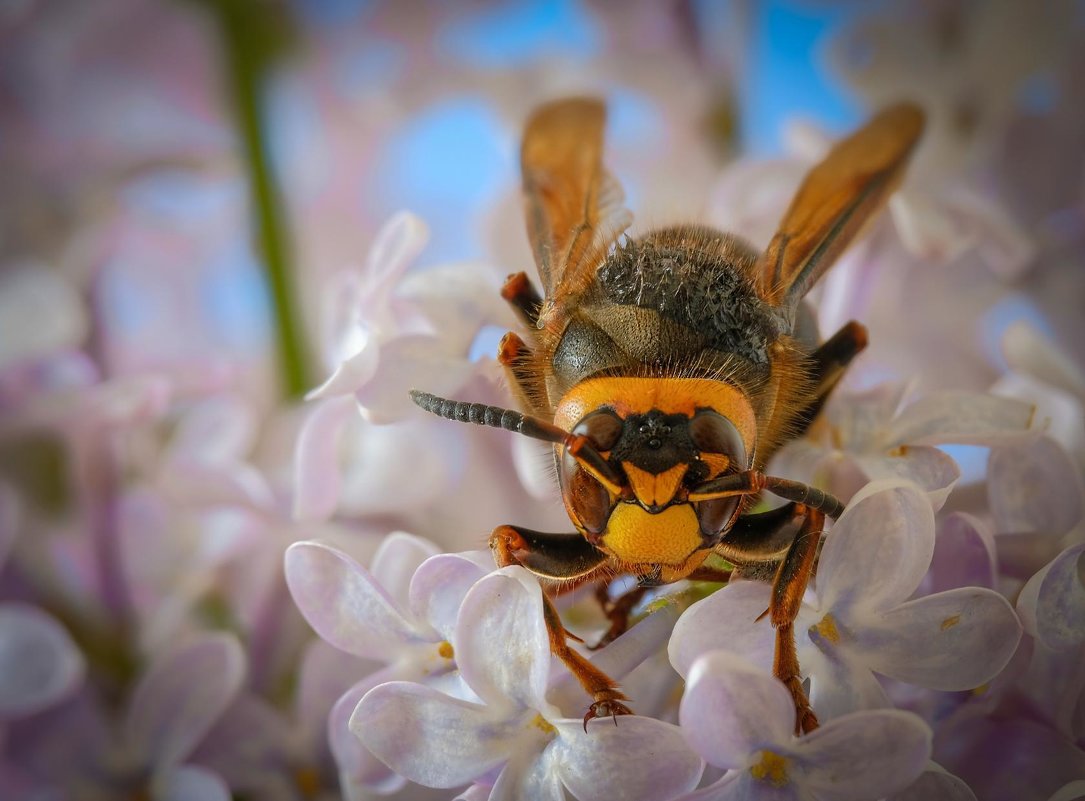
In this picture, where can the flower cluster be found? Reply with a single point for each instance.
(221, 582)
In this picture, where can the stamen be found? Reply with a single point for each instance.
(543, 725)
(826, 627)
(771, 768)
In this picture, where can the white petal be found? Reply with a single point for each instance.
(415, 361)
(839, 683)
(954, 640)
(318, 476)
(962, 418)
(476, 792)
(740, 785)
(878, 551)
(216, 429)
(866, 755)
(935, 784)
(432, 738)
(1072, 791)
(181, 696)
(1002, 243)
(344, 603)
(638, 644)
(964, 554)
(1034, 486)
(1030, 353)
(354, 372)
(399, 466)
(501, 644)
(635, 652)
(194, 481)
(398, 557)
(458, 301)
(529, 775)
(1052, 603)
(731, 710)
(39, 663)
(1058, 413)
(930, 468)
(925, 226)
(699, 631)
(190, 783)
(438, 587)
(397, 244)
(861, 419)
(355, 762)
(639, 758)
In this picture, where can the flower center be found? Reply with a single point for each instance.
(771, 768)
(826, 627)
(543, 725)
(445, 650)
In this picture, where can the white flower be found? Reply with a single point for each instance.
(512, 731)
(860, 620)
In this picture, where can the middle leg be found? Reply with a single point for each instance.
(792, 577)
(570, 559)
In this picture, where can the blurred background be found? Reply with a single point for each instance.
(153, 152)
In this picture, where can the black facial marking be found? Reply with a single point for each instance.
(654, 441)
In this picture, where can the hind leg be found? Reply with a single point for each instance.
(831, 361)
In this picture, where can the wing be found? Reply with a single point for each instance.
(834, 202)
(573, 206)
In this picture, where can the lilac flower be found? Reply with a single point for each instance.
(1030, 717)
(399, 614)
(860, 620)
(388, 333)
(965, 555)
(1009, 756)
(1052, 604)
(933, 221)
(39, 663)
(172, 709)
(283, 755)
(78, 751)
(1046, 374)
(1034, 486)
(508, 727)
(1071, 791)
(875, 435)
(935, 784)
(743, 720)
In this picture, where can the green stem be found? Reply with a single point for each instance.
(244, 27)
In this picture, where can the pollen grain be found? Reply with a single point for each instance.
(771, 767)
(826, 627)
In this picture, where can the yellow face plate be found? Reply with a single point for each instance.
(628, 395)
(667, 538)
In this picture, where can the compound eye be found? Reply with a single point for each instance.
(602, 427)
(586, 500)
(711, 432)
